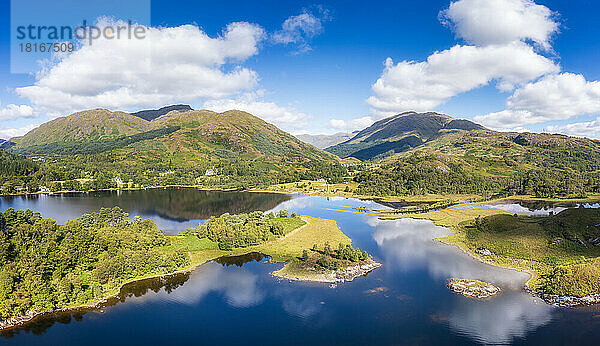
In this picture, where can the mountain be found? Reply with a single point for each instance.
(325, 141)
(152, 114)
(192, 133)
(400, 133)
(90, 125)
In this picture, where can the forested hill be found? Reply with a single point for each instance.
(199, 133)
(99, 149)
(400, 133)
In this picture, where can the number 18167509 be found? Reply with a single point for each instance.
(56, 47)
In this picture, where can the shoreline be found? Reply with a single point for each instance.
(554, 300)
(551, 299)
(18, 321)
(328, 276)
(197, 187)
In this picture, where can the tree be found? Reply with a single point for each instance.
(327, 249)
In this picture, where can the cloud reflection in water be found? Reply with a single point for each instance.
(407, 244)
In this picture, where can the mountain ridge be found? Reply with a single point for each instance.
(198, 132)
(400, 133)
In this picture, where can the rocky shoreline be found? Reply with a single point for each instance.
(566, 301)
(351, 273)
(341, 275)
(17, 321)
(473, 288)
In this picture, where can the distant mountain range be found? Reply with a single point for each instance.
(400, 133)
(207, 135)
(324, 141)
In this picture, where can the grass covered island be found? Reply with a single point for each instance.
(47, 268)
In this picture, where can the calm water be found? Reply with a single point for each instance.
(236, 301)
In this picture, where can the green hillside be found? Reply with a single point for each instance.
(90, 125)
(399, 134)
(200, 133)
(234, 149)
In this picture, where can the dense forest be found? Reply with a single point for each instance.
(243, 230)
(85, 172)
(423, 173)
(331, 259)
(45, 266)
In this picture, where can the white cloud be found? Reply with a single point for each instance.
(590, 129)
(286, 118)
(352, 125)
(484, 22)
(554, 97)
(422, 86)
(173, 64)
(13, 111)
(301, 29)
(7, 133)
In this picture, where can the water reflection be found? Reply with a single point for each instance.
(407, 245)
(173, 210)
(508, 316)
(237, 287)
(404, 301)
(530, 208)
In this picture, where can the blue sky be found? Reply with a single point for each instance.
(317, 75)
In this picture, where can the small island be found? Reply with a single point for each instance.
(327, 265)
(47, 268)
(473, 288)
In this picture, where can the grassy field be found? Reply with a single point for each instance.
(320, 188)
(300, 234)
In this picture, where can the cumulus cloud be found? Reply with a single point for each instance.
(501, 21)
(351, 125)
(554, 97)
(422, 86)
(589, 129)
(502, 35)
(301, 29)
(7, 133)
(286, 118)
(13, 111)
(172, 64)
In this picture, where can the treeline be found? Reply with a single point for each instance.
(79, 172)
(243, 230)
(334, 259)
(413, 177)
(46, 266)
(423, 174)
